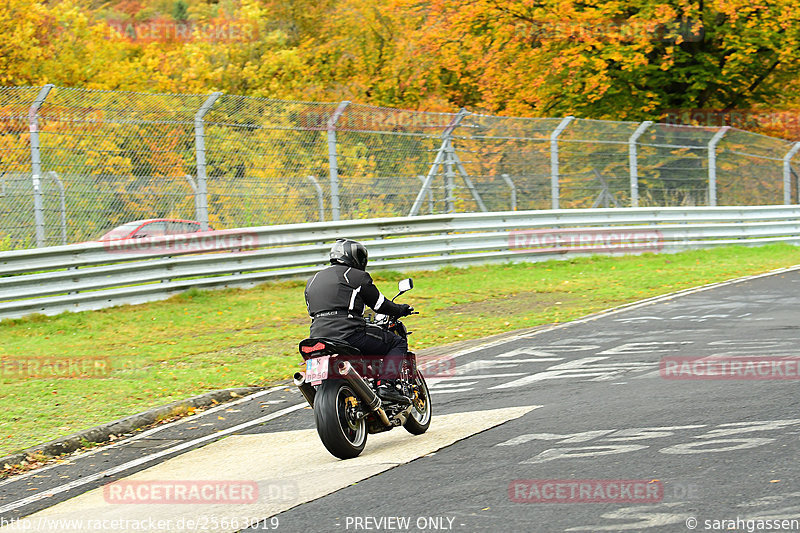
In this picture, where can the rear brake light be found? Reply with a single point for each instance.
(309, 349)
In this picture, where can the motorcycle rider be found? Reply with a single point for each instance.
(336, 298)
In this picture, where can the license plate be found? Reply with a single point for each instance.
(317, 368)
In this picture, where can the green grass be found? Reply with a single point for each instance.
(200, 341)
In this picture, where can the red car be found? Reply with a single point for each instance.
(151, 227)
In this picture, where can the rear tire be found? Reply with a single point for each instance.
(420, 420)
(341, 433)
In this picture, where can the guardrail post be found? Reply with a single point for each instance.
(513, 191)
(63, 204)
(201, 194)
(787, 174)
(36, 163)
(332, 158)
(320, 198)
(712, 164)
(554, 185)
(633, 161)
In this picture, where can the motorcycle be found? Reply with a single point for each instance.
(341, 385)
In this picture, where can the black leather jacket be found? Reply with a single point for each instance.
(336, 298)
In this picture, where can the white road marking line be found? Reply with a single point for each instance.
(143, 460)
(617, 310)
(446, 385)
(545, 356)
(433, 381)
(602, 314)
(144, 434)
(482, 364)
(288, 458)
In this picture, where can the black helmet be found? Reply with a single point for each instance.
(350, 253)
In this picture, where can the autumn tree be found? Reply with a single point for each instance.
(60, 43)
(622, 60)
(631, 59)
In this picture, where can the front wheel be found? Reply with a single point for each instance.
(340, 425)
(420, 417)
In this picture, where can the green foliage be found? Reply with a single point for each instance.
(5, 243)
(180, 11)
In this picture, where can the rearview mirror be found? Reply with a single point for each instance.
(405, 285)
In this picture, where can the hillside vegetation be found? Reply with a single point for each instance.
(621, 60)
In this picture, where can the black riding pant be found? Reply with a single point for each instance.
(377, 341)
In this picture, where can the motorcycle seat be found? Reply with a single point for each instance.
(317, 346)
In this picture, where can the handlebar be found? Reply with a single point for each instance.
(393, 317)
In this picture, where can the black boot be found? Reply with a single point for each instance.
(388, 391)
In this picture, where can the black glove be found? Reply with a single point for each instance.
(405, 309)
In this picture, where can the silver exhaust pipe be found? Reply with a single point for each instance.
(305, 388)
(367, 395)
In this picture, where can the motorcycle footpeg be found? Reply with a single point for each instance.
(392, 395)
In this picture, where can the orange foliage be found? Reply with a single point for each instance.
(630, 60)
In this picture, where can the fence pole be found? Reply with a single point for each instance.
(712, 164)
(633, 161)
(426, 184)
(449, 162)
(513, 191)
(63, 203)
(787, 174)
(449, 180)
(442, 157)
(554, 185)
(320, 198)
(197, 202)
(36, 163)
(332, 159)
(201, 195)
(431, 207)
(471, 186)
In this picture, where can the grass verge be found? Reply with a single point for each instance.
(201, 341)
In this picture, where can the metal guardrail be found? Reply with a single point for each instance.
(96, 275)
(233, 161)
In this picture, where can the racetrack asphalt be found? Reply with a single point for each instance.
(595, 409)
